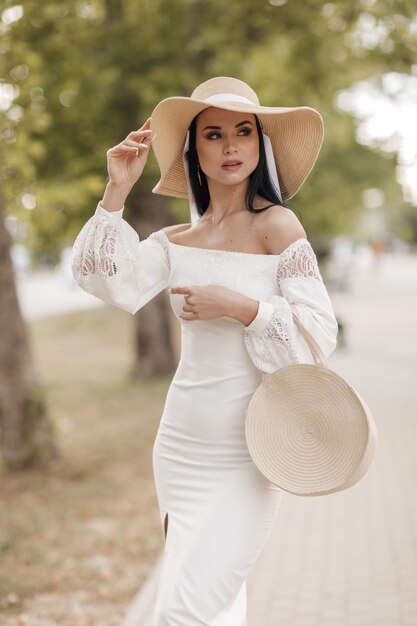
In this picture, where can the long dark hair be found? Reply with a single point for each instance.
(260, 182)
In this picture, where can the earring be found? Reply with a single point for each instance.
(198, 173)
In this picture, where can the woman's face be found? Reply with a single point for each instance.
(227, 145)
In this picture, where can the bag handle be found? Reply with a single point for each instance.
(316, 351)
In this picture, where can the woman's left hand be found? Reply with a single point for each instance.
(206, 302)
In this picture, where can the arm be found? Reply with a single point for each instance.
(278, 228)
(271, 338)
(112, 263)
(115, 196)
(108, 259)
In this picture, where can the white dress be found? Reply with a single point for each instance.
(220, 509)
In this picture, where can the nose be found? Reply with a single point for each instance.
(229, 145)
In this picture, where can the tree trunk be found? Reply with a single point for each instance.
(153, 339)
(155, 353)
(145, 212)
(26, 433)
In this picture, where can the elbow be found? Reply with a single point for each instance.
(330, 337)
(122, 300)
(330, 347)
(325, 331)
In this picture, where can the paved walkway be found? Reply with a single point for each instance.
(350, 559)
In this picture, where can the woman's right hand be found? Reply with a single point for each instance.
(126, 161)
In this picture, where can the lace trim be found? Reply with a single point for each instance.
(275, 346)
(99, 257)
(299, 261)
(279, 332)
(161, 237)
(99, 250)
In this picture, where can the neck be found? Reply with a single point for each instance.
(225, 200)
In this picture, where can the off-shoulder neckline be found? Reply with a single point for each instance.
(236, 252)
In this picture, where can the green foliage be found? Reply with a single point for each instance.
(90, 72)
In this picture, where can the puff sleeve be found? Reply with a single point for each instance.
(109, 261)
(272, 339)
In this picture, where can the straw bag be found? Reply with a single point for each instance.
(307, 430)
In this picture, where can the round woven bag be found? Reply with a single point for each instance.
(307, 430)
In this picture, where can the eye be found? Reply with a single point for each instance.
(212, 135)
(246, 130)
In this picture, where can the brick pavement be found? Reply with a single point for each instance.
(350, 558)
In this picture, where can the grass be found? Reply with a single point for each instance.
(77, 540)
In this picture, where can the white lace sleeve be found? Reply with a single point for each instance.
(109, 261)
(272, 339)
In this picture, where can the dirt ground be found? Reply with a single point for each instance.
(77, 540)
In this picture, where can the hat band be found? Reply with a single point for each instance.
(228, 97)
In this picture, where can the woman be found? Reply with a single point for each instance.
(236, 273)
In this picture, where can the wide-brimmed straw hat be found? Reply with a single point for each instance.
(296, 133)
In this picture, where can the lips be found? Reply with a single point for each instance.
(231, 164)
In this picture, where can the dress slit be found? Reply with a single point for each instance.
(166, 526)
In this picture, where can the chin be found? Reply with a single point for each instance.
(230, 179)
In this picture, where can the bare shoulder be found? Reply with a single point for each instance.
(278, 227)
(175, 229)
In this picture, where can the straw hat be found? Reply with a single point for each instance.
(296, 133)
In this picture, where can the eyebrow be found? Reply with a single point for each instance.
(219, 127)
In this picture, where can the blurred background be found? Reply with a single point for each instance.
(82, 384)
